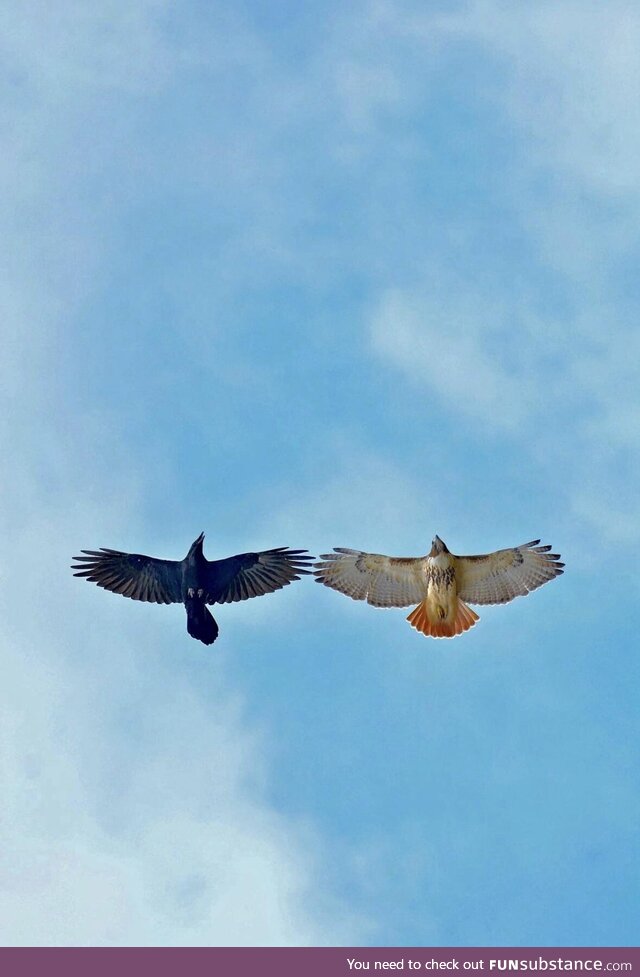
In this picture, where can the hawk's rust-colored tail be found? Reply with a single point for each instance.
(465, 618)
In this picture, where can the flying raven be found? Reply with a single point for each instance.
(194, 581)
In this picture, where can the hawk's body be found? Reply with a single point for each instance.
(440, 582)
(194, 581)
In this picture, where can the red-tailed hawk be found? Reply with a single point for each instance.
(440, 582)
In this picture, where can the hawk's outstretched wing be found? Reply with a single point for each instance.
(384, 581)
(253, 574)
(132, 575)
(497, 578)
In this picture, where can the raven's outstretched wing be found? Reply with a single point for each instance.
(132, 575)
(384, 581)
(497, 578)
(253, 574)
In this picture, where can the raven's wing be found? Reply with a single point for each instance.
(132, 575)
(497, 578)
(253, 574)
(384, 581)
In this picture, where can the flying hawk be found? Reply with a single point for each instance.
(194, 581)
(440, 582)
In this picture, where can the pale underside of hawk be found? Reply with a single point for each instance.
(439, 583)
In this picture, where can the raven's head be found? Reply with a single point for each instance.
(196, 546)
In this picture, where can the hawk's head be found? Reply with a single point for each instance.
(437, 547)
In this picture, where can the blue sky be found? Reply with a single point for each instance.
(318, 275)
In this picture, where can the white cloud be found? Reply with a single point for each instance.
(572, 407)
(576, 68)
(571, 71)
(507, 367)
(158, 838)
(444, 346)
(134, 788)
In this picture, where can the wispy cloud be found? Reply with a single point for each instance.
(391, 181)
(155, 837)
(507, 367)
(572, 72)
(446, 345)
(136, 807)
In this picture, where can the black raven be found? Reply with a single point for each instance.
(194, 581)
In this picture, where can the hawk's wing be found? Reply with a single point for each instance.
(497, 578)
(384, 581)
(132, 575)
(253, 574)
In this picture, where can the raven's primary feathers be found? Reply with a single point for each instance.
(194, 581)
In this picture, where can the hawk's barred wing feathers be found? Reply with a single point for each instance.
(497, 578)
(384, 581)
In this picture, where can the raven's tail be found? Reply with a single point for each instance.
(200, 622)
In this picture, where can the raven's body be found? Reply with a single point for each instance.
(201, 623)
(194, 581)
